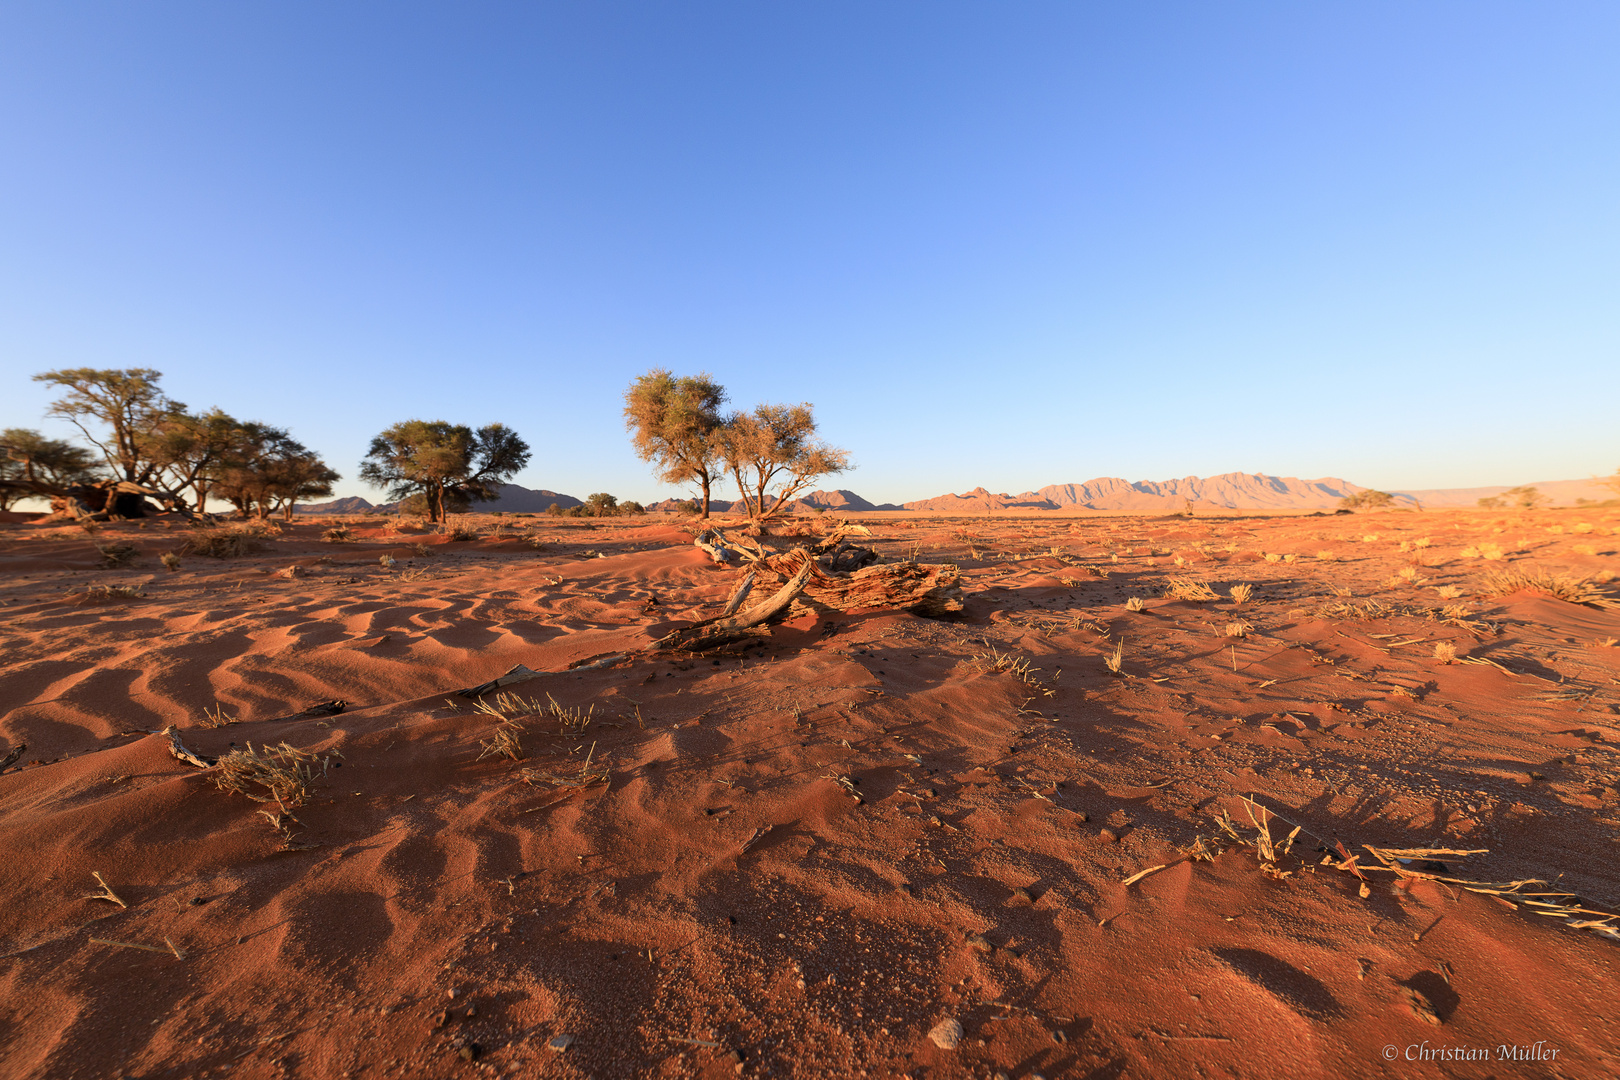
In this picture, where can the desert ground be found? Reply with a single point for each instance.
(871, 843)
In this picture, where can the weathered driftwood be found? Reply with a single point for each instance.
(739, 594)
(178, 749)
(320, 708)
(726, 628)
(520, 674)
(726, 550)
(928, 589)
(11, 759)
(111, 499)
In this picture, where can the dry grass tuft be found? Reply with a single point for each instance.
(339, 534)
(282, 774)
(171, 561)
(1241, 594)
(462, 533)
(1445, 652)
(1197, 592)
(1134, 604)
(1018, 667)
(223, 542)
(1577, 590)
(1238, 628)
(506, 742)
(423, 551)
(111, 594)
(115, 555)
(217, 717)
(1115, 661)
(1447, 592)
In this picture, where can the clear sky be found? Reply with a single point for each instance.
(998, 244)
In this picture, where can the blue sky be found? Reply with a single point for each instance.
(1008, 245)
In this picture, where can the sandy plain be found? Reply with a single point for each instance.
(803, 858)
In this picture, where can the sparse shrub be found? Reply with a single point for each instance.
(1134, 604)
(1237, 628)
(462, 533)
(171, 561)
(1421, 542)
(1445, 652)
(1272, 556)
(217, 717)
(386, 561)
(1447, 592)
(424, 551)
(1367, 500)
(340, 534)
(1326, 556)
(1242, 594)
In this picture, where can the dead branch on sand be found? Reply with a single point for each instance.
(106, 892)
(178, 749)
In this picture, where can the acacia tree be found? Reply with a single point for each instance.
(773, 454)
(32, 465)
(1367, 500)
(268, 470)
(674, 423)
(127, 403)
(443, 462)
(193, 451)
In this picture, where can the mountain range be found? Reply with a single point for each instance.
(1229, 491)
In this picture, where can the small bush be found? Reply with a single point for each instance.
(111, 594)
(1445, 652)
(280, 774)
(462, 534)
(340, 534)
(1134, 604)
(1242, 594)
(171, 561)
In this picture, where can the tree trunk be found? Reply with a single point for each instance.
(706, 483)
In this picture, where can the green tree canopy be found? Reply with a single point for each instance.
(443, 462)
(32, 465)
(773, 454)
(118, 410)
(673, 423)
(266, 470)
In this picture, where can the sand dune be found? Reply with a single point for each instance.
(805, 856)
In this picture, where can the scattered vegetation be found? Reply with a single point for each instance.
(1577, 590)
(282, 774)
(506, 741)
(1197, 592)
(338, 534)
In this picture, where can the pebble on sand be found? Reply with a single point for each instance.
(561, 1043)
(946, 1034)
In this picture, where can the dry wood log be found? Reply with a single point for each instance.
(520, 674)
(738, 594)
(320, 708)
(716, 631)
(178, 749)
(11, 759)
(932, 590)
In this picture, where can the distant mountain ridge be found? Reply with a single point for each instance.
(1229, 491)
(513, 499)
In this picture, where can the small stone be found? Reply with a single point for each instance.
(946, 1034)
(443, 1018)
(1023, 896)
(980, 943)
(1108, 836)
(472, 1011)
(470, 1051)
(1059, 1037)
(561, 1043)
(1084, 816)
(451, 993)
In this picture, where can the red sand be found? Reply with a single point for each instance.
(628, 916)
